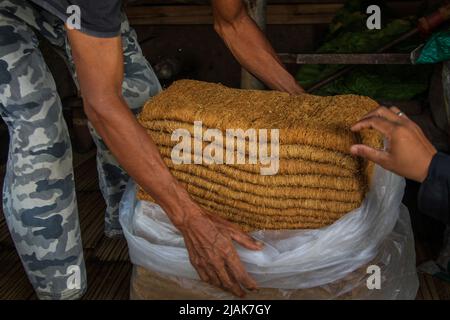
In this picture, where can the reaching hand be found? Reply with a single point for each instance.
(408, 152)
(209, 240)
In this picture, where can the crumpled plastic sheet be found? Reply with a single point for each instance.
(378, 233)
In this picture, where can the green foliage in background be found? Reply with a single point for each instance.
(348, 34)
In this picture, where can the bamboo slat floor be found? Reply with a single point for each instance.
(107, 263)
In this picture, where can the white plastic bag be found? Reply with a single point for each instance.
(296, 259)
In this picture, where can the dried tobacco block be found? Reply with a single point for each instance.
(317, 181)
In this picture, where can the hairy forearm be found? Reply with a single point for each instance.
(138, 155)
(251, 48)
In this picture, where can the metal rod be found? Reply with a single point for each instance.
(392, 44)
(346, 70)
(331, 78)
(353, 59)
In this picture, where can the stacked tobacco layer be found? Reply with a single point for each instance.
(317, 182)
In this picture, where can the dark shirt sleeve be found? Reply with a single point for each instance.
(100, 18)
(434, 194)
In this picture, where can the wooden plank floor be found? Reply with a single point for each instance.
(107, 263)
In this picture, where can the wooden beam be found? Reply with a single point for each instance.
(182, 13)
(339, 58)
(202, 14)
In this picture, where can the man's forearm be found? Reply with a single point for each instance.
(251, 48)
(138, 155)
(99, 65)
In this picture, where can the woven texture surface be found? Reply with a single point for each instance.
(318, 180)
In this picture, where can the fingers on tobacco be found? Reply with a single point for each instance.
(382, 125)
(390, 114)
(377, 156)
(396, 111)
(382, 112)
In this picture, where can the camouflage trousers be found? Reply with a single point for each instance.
(39, 200)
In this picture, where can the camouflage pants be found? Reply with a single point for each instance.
(39, 199)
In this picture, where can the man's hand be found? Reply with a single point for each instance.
(209, 239)
(408, 152)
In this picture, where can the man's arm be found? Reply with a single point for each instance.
(411, 155)
(250, 47)
(99, 65)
